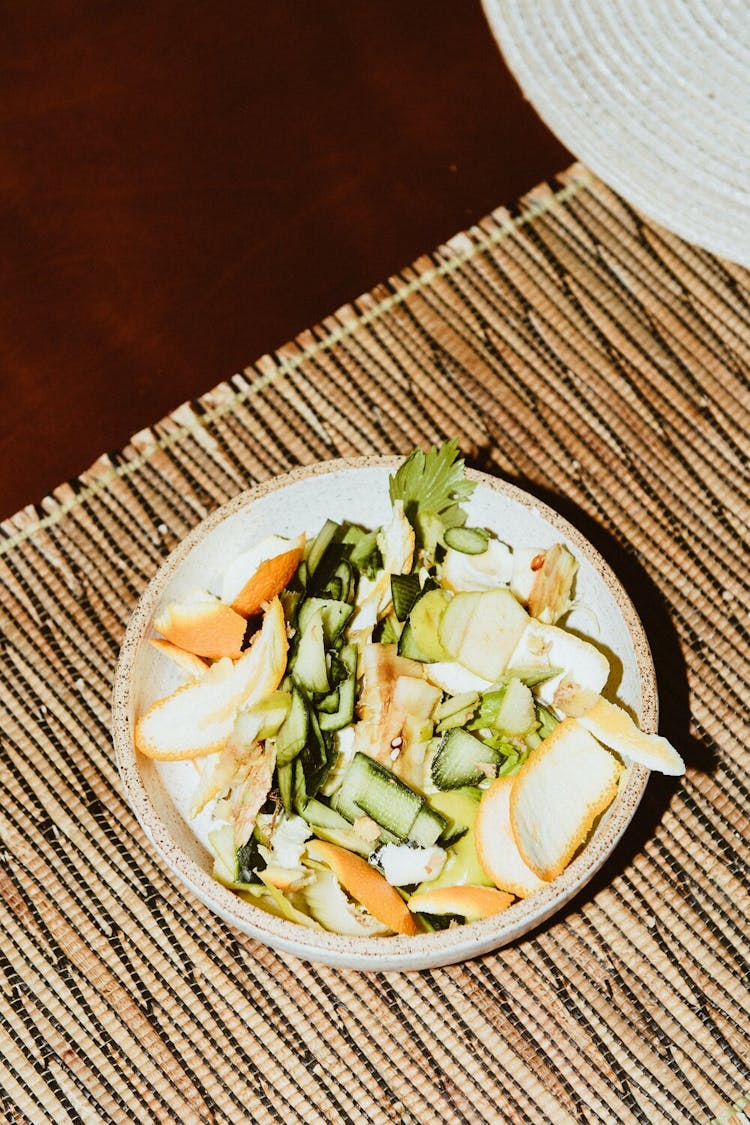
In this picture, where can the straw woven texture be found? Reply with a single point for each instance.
(654, 95)
(571, 346)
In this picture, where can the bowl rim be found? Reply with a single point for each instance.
(398, 951)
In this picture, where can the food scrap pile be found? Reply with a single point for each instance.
(394, 732)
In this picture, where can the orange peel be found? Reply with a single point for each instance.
(268, 580)
(198, 717)
(472, 903)
(366, 885)
(209, 629)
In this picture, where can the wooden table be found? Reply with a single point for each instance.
(187, 185)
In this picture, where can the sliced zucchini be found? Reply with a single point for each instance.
(345, 838)
(347, 693)
(365, 555)
(249, 862)
(456, 710)
(328, 534)
(452, 704)
(344, 582)
(311, 767)
(226, 867)
(428, 827)
(532, 674)
(459, 759)
(309, 667)
(333, 589)
(301, 577)
(389, 631)
(299, 786)
(334, 615)
(547, 720)
(320, 815)
(290, 601)
(371, 789)
(352, 536)
(328, 704)
(292, 735)
(516, 715)
(468, 540)
(458, 807)
(285, 777)
(407, 646)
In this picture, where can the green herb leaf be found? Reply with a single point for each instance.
(432, 487)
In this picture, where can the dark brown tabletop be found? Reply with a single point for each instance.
(187, 185)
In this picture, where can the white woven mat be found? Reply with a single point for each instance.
(653, 95)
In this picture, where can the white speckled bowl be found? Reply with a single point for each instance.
(358, 490)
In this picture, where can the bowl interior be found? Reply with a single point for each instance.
(160, 793)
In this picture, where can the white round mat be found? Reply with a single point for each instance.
(653, 95)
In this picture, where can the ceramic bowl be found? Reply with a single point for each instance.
(357, 490)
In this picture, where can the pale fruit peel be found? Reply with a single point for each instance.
(198, 717)
(496, 846)
(187, 662)
(565, 784)
(614, 727)
(550, 594)
(580, 660)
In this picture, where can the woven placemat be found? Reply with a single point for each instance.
(603, 364)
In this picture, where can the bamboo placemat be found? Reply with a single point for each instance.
(603, 364)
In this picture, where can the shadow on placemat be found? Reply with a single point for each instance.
(671, 674)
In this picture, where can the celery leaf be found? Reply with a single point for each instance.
(432, 487)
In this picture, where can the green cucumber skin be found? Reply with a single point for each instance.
(424, 623)
(392, 809)
(321, 816)
(347, 689)
(334, 614)
(467, 540)
(428, 827)
(405, 590)
(345, 574)
(285, 777)
(308, 665)
(299, 787)
(314, 763)
(293, 732)
(370, 789)
(329, 704)
(454, 765)
(325, 538)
